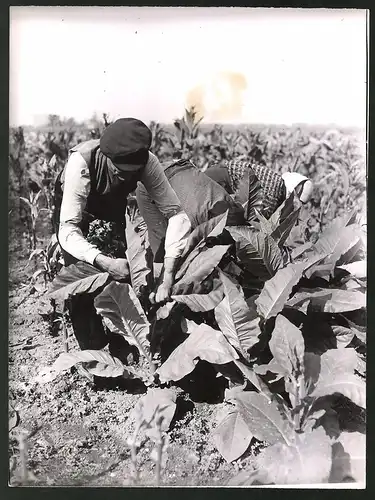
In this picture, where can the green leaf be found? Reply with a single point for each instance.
(201, 266)
(300, 250)
(25, 200)
(212, 227)
(354, 443)
(287, 346)
(337, 376)
(238, 322)
(264, 419)
(203, 343)
(251, 376)
(357, 269)
(248, 477)
(77, 279)
(201, 302)
(272, 367)
(137, 256)
(308, 461)
(348, 385)
(281, 233)
(119, 304)
(356, 252)
(232, 436)
(34, 253)
(312, 370)
(338, 361)
(276, 291)
(255, 197)
(156, 405)
(256, 251)
(329, 300)
(336, 237)
(359, 331)
(289, 207)
(97, 362)
(344, 335)
(335, 243)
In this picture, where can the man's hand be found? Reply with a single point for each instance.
(164, 291)
(117, 268)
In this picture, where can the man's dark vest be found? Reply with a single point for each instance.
(108, 195)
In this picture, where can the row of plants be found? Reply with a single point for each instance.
(332, 159)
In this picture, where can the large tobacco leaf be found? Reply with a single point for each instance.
(77, 279)
(264, 419)
(277, 290)
(231, 435)
(196, 241)
(337, 376)
(281, 233)
(335, 243)
(138, 255)
(282, 221)
(357, 269)
(238, 322)
(287, 346)
(290, 206)
(252, 376)
(307, 461)
(212, 227)
(157, 404)
(272, 367)
(336, 236)
(344, 335)
(359, 331)
(328, 300)
(98, 363)
(203, 265)
(300, 250)
(119, 304)
(255, 198)
(203, 343)
(248, 477)
(354, 448)
(257, 251)
(347, 384)
(201, 302)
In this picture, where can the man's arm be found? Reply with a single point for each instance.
(76, 188)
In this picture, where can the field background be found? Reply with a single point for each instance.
(80, 431)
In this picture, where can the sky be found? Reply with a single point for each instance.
(236, 65)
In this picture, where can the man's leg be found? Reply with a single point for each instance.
(87, 324)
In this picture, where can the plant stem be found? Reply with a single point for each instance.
(23, 457)
(133, 454)
(159, 449)
(65, 333)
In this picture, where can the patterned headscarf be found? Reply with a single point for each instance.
(274, 191)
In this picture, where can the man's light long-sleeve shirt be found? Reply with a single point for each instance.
(76, 189)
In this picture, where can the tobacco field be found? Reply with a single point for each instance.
(253, 374)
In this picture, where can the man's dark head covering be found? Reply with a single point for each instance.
(126, 143)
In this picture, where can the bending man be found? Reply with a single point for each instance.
(95, 184)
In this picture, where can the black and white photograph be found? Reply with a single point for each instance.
(187, 237)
